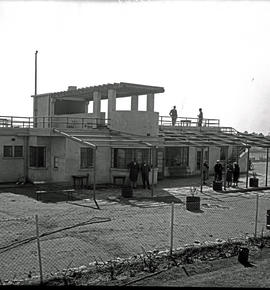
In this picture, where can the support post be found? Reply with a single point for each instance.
(172, 218)
(225, 169)
(39, 253)
(266, 170)
(201, 168)
(247, 168)
(153, 173)
(94, 176)
(256, 216)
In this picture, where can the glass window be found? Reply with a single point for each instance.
(37, 156)
(123, 156)
(86, 157)
(55, 162)
(7, 151)
(176, 156)
(18, 151)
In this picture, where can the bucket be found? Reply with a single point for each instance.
(193, 203)
(217, 185)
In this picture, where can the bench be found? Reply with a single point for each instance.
(78, 180)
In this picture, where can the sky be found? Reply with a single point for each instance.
(213, 55)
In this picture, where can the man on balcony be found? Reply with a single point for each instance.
(173, 114)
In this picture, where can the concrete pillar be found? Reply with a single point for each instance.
(111, 102)
(150, 102)
(96, 106)
(96, 103)
(134, 103)
(86, 107)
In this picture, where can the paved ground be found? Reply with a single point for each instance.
(141, 222)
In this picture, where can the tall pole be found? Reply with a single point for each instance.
(266, 170)
(36, 72)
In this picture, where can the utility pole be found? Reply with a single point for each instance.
(36, 72)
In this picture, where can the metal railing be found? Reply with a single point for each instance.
(52, 122)
(188, 122)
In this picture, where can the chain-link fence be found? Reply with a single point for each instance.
(74, 233)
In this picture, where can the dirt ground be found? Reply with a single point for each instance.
(76, 233)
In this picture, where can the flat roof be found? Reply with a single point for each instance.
(122, 90)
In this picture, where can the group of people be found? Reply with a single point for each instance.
(173, 114)
(134, 169)
(232, 173)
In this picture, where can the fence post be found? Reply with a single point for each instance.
(256, 217)
(172, 218)
(39, 254)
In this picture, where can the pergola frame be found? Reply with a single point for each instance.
(205, 138)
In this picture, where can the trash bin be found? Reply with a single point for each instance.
(127, 191)
(217, 185)
(254, 182)
(193, 203)
(243, 255)
(268, 219)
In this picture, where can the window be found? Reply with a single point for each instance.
(37, 156)
(13, 151)
(55, 162)
(176, 156)
(86, 157)
(18, 151)
(7, 151)
(121, 157)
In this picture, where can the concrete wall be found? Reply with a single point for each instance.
(11, 168)
(137, 122)
(72, 164)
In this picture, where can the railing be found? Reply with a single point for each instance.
(52, 122)
(188, 121)
(229, 130)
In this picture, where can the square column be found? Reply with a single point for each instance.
(150, 102)
(134, 103)
(86, 107)
(96, 104)
(111, 102)
(96, 107)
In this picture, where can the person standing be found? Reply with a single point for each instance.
(145, 169)
(236, 174)
(173, 114)
(200, 117)
(205, 171)
(134, 168)
(218, 171)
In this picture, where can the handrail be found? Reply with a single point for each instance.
(52, 121)
(188, 121)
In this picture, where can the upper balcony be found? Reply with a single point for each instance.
(183, 122)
